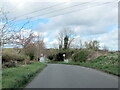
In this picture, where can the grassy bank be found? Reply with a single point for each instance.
(19, 76)
(107, 64)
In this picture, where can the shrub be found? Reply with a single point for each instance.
(9, 64)
(58, 56)
(9, 55)
(51, 57)
(80, 56)
(31, 55)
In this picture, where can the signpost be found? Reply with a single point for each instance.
(64, 57)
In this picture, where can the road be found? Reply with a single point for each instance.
(71, 76)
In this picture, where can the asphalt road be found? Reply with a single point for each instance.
(70, 76)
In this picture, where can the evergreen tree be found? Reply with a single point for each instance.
(66, 42)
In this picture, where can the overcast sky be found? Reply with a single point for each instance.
(90, 19)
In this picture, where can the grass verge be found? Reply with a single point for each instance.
(18, 77)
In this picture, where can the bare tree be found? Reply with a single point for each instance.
(24, 37)
(92, 45)
(62, 34)
(60, 38)
(77, 43)
(4, 27)
(40, 46)
(7, 32)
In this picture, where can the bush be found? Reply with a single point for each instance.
(9, 64)
(31, 55)
(58, 56)
(12, 55)
(80, 56)
(51, 57)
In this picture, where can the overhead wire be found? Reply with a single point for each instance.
(73, 10)
(82, 9)
(69, 11)
(39, 10)
(53, 10)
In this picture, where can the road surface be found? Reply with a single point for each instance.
(71, 76)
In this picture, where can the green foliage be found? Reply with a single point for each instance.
(19, 76)
(30, 50)
(31, 55)
(60, 46)
(66, 42)
(109, 59)
(107, 63)
(59, 54)
(12, 55)
(9, 64)
(55, 55)
(80, 56)
(51, 57)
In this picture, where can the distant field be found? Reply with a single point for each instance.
(18, 76)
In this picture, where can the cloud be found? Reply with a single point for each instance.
(46, 40)
(43, 34)
(85, 22)
(53, 44)
(110, 39)
(91, 21)
(1, 25)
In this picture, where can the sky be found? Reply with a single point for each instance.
(90, 19)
